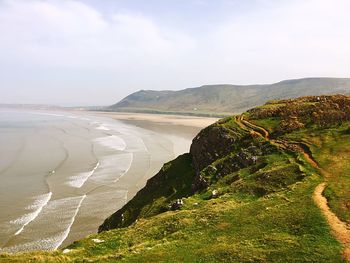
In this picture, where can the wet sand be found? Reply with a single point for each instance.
(180, 129)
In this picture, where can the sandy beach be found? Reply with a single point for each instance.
(189, 121)
(171, 125)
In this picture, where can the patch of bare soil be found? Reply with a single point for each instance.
(340, 229)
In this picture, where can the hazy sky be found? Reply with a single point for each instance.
(94, 52)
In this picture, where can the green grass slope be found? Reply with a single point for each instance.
(212, 100)
(246, 194)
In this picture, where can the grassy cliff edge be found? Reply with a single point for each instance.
(244, 193)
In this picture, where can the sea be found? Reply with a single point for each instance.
(62, 174)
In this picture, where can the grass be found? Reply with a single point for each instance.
(331, 148)
(270, 124)
(262, 210)
(282, 227)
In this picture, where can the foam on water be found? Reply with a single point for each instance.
(113, 142)
(103, 128)
(79, 180)
(47, 114)
(55, 219)
(66, 232)
(134, 143)
(113, 167)
(49, 238)
(40, 202)
(43, 244)
(127, 161)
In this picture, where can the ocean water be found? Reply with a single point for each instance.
(56, 169)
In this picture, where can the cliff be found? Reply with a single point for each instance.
(269, 185)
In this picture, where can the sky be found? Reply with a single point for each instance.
(95, 52)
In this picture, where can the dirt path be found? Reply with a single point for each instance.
(264, 133)
(339, 228)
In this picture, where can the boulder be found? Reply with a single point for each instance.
(176, 205)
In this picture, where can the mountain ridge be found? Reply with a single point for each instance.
(226, 99)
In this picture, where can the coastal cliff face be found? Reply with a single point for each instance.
(248, 191)
(226, 148)
(212, 143)
(183, 176)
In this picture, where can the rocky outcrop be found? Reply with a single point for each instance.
(176, 205)
(230, 148)
(212, 143)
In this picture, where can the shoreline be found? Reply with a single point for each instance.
(160, 122)
(154, 140)
(179, 129)
(194, 121)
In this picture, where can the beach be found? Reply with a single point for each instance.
(63, 173)
(180, 129)
(173, 120)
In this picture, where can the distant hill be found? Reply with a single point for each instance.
(227, 99)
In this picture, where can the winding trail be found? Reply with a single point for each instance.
(340, 229)
(262, 131)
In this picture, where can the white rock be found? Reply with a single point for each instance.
(65, 251)
(96, 240)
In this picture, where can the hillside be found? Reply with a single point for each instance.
(227, 99)
(269, 185)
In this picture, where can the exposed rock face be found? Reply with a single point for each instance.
(199, 183)
(242, 159)
(212, 143)
(218, 142)
(218, 151)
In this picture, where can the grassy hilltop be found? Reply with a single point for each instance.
(220, 100)
(270, 185)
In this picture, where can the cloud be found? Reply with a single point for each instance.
(284, 40)
(54, 47)
(73, 34)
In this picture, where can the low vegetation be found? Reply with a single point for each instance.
(242, 194)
